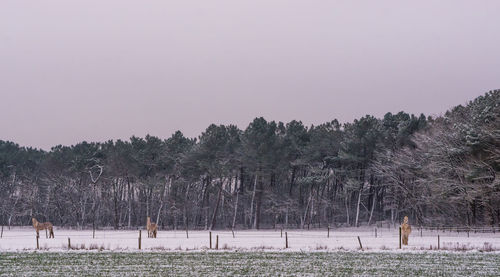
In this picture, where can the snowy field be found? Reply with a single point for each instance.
(259, 263)
(23, 239)
(255, 253)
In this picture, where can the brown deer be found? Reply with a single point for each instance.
(43, 226)
(152, 228)
(405, 231)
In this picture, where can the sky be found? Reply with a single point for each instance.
(96, 70)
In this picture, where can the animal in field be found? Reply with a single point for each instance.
(43, 226)
(152, 228)
(405, 231)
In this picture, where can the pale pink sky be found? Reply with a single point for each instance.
(105, 69)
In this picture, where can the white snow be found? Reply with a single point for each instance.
(23, 238)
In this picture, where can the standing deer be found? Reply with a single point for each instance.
(405, 230)
(43, 226)
(152, 228)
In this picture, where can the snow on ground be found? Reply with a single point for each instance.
(20, 239)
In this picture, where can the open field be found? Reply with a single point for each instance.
(256, 253)
(261, 263)
(21, 239)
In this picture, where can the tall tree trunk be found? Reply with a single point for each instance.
(94, 207)
(303, 219)
(206, 206)
(214, 216)
(162, 200)
(223, 201)
(292, 181)
(186, 201)
(236, 204)
(115, 203)
(201, 202)
(347, 207)
(357, 208)
(373, 205)
(147, 201)
(258, 204)
(311, 212)
(286, 217)
(253, 199)
(129, 194)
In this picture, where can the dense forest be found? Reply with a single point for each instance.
(437, 170)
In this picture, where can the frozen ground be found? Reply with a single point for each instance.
(260, 263)
(23, 239)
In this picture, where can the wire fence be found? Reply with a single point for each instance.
(210, 239)
(17, 232)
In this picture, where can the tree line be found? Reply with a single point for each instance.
(436, 170)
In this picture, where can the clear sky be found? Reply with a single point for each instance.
(106, 69)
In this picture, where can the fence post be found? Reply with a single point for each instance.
(187, 234)
(281, 231)
(399, 237)
(37, 244)
(420, 231)
(69, 244)
(93, 232)
(140, 235)
(210, 238)
(375, 232)
(1, 234)
(328, 235)
(217, 242)
(232, 232)
(286, 239)
(438, 243)
(360, 245)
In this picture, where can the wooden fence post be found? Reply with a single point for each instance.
(37, 244)
(232, 232)
(210, 238)
(69, 244)
(93, 232)
(328, 234)
(360, 245)
(375, 232)
(187, 234)
(399, 237)
(140, 235)
(438, 243)
(286, 239)
(217, 242)
(281, 231)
